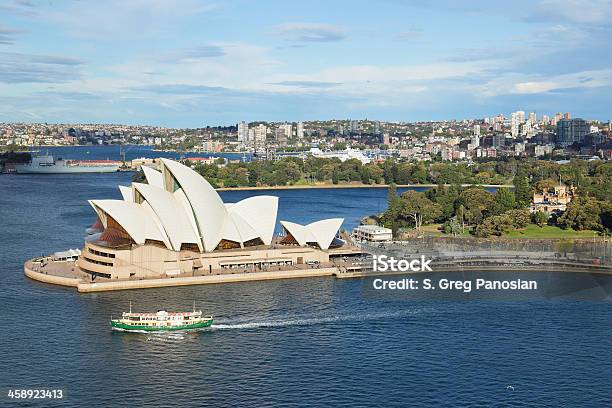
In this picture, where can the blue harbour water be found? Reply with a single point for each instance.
(303, 342)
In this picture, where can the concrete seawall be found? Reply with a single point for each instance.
(203, 280)
(83, 285)
(52, 279)
(558, 267)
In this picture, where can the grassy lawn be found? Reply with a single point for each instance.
(531, 231)
(434, 230)
(548, 231)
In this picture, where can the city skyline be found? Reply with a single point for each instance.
(192, 63)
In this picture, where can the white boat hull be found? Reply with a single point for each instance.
(28, 169)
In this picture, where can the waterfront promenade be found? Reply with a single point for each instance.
(67, 274)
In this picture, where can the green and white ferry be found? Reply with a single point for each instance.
(161, 321)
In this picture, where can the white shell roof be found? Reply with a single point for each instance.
(260, 213)
(134, 219)
(126, 193)
(208, 208)
(322, 232)
(153, 176)
(179, 206)
(171, 214)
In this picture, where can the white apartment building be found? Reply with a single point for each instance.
(516, 120)
(243, 132)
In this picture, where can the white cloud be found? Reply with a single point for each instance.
(109, 20)
(577, 11)
(310, 32)
(537, 84)
(534, 87)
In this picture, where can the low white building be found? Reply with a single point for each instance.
(373, 233)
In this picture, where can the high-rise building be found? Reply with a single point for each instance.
(354, 126)
(288, 129)
(517, 119)
(476, 130)
(259, 135)
(566, 116)
(475, 142)
(545, 119)
(570, 131)
(243, 132)
(527, 129)
(498, 140)
(532, 117)
(283, 133)
(558, 116)
(251, 138)
(386, 139)
(280, 136)
(300, 131)
(376, 127)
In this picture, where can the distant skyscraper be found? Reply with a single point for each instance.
(517, 119)
(545, 119)
(376, 127)
(532, 117)
(280, 136)
(283, 133)
(259, 135)
(477, 130)
(570, 131)
(354, 126)
(527, 129)
(243, 132)
(475, 142)
(300, 130)
(386, 139)
(566, 116)
(499, 140)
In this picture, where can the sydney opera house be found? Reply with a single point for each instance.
(177, 224)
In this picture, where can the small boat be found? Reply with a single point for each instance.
(161, 321)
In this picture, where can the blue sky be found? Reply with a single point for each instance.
(191, 63)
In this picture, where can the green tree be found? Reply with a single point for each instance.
(335, 177)
(495, 225)
(520, 218)
(453, 226)
(585, 213)
(416, 207)
(461, 216)
(522, 191)
(477, 202)
(504, 201)
(540, 218)
(390, 217)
